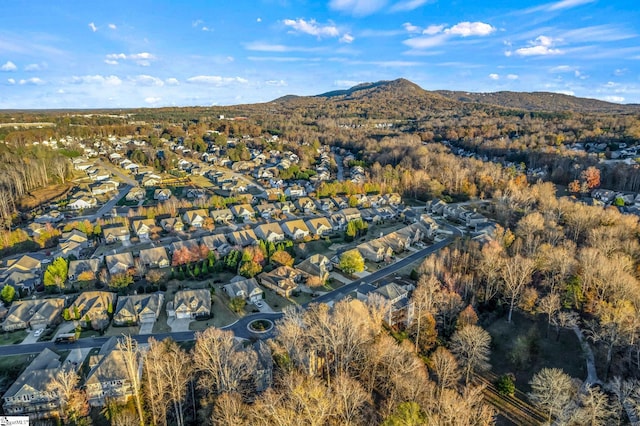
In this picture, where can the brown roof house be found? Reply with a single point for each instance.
(375, 251)
(22, 274)
(195, 218)
(154, 257)
(144, 228)
(271, 232)
(30, 395)
(113, 233)
(319, 226)
(248, 289)
(317, 265)
(295, 229)
(138, 309)
(108, 378)
(77, 267)
(190, 304)
(172, 224)
(283, 280)
(94, 307)
(243, 211)
(243, 238)
(34, 313)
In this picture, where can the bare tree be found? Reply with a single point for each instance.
(223, 361)
(471, 346)
(131, 355)
(350, 399)
(551, 390)
(549, 305)
(594, 409)
(516, 275)
(73, 401)
(176, 371)
(229, 410)
(445, 369)
(155, 387)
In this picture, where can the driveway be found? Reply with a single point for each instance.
(179, 324)
(76, 357)
(146, 328)
(30, 338)
(65, 327)
(266, 308)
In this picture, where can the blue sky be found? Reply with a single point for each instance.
(144, 53)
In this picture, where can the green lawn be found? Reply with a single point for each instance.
(89, 333)
(13, 337)
(222, 314)
(539, 351)
(276, 302)
(301, 298)
(10, 368)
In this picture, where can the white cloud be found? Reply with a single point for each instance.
(466, 29)
(8, 66)
(426, 42)
(494, 76)
(109, 80)
(564, 92)
(566, 4)
(259, 20)
(276, 83)
(113, 27)
(216, 80)
(207, 29)
(172, 81)
(347, 38)
(35, 67)
(357, 7)
(93, 27)
(346, 83)
(152, 100)
(512, 76)
(561, 68)
(411, 28)
(312, 27)
(143, 58)
(11, 80)
(146, 80)
(197, 23)
(541, 46)
(433, 29)
(33, 81)
(620, 71)
(259, 46)
(617, 99)
(408, 5)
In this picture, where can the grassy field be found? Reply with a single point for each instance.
(201, 181)
(40, 196)
(12, 338)
(522, 348)
(10, 368)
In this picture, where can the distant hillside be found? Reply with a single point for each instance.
(540, 101)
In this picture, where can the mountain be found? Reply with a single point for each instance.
(540, 101)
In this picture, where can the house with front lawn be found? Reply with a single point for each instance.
(136, 194)
(243, 212)
(375, 251)
(266, 211)
(162, 194)
(248, 289)
(94, 307)
(172, 224)
(154, 257)
(221, 216)
(34, 313)
(144, 228)
(243, 238)
(283, 280)
(190, 304)
(316, 265)
(83, 202)
(138, 309)
(22, 273)
(305, 205)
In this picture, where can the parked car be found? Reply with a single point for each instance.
(38, 332)
(259, 304)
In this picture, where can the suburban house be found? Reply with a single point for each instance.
(93, 306)
(248, 289)
(287, 207)
(393, 199)
(215, 242)
(22, 273)
(72, 243)
(243, 211)
(108, 378)
(33, 313)
(271, 232)
(340, 202)
(29, 395)
(243, 238)
(151, 180)
(221, 216)
(136, 194)
(305, 205)
(113, 233)
(295, 191)
(316, 265)
(104, 187)
(283, 280)
(195, 218)
(172, 224)
(77, 267)
(266, 210)
(83, 202)
(162, 194)
(138, 309)
(319, 226)
(400, 306)
(325, 205)
(338, 222)
(375, 251)
(350, 214)
(144, 228)
(371, 215)
(190, 304)
(154, 257)
(191, 244)
(295, 229)
(119, 263)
